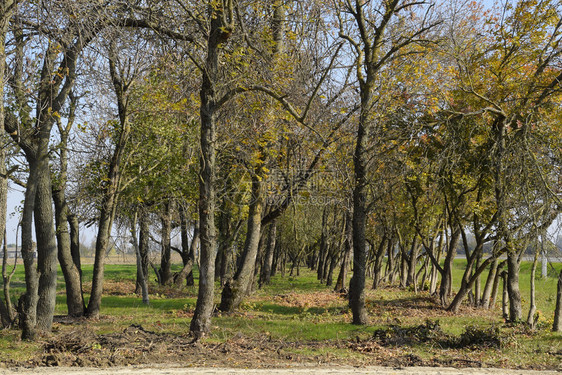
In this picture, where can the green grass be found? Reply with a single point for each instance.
(300, 309)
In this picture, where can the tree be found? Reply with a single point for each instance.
(221, 26)
(7, 8)
(508, 74)
(62, 40)
(377, 34)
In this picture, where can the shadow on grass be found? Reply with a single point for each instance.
(414, 302)
(294, 310)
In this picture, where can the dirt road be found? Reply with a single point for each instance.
(286, 371)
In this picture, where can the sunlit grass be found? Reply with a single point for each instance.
(300, 309)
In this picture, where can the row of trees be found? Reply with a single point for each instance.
(276, 132)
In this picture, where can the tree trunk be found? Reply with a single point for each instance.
(28, 308)
(109, 195)
(69, 262)
(144, 235)
(379, 257)
(467, 283)
(496, 286)
(141, 275)
(74, 226)
(6, 10)
(265, 276)
(447, 275)
(348, 247)
(515, 308)
(533, 302)
(487, 294)
(71, 273)
(225, 237)
(236, 289)
(165, 259)
(360, 160)
(46, 242)
(412, 262)
(220, 29)
(477, 286)
(505, 296)
(557, 325)
(6, 309)
(323, 250)
(434, 268)
(188, 251)
(330, 276)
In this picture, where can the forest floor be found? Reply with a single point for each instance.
(303, 370)
(295, 324)
(81, 352)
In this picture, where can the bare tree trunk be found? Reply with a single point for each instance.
(333, 263)
(348, 247)
(496, 286)
(412, 263)
(6, 308)
(142, 271)
(446, 276)
(110, 193)
(165, 259)
(188, 250)
(434, 269)
(71, 270)
(28, 307)
(265, 277)
(221, 26)
(477, 286)
(141, 275)
(379, 257)
(46, 243)
(533, 302)
(515, 308)
(467, 283)
(323, 246)
(236, 289)
(505, 296)
(487, 294)
(557, 325)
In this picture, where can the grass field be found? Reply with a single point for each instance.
(304, 318)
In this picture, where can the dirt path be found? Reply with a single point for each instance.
(286, 371)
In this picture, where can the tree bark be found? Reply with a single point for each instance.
(6, 9)
(70, 269)
(379, 257)
(28, 308)
(348, 246)
(557, 325)
(220, 28)
(110, 193)
(360, 161)
(144, 236)
(487, 294)
(496, 286)
(188, 250)
(533, 302)
(236, 289)
(6, 308)
(141, 275)
(265, 276)
(165, 259)
(447, 275)
(412, 263)
(515, 308)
